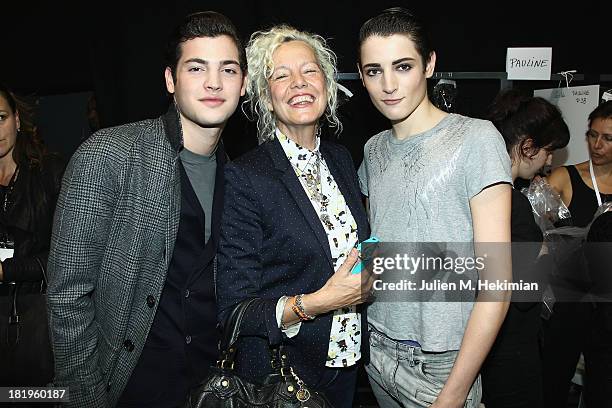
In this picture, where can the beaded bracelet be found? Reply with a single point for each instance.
(298, 309)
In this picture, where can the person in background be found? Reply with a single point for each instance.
(432, 177)
(533, 129)
(582, 327)
(131, 270)
(30, 180)
(585, 186)
(292, 218)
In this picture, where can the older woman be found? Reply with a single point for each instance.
(292, 217)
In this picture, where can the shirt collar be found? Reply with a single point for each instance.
(298, 156)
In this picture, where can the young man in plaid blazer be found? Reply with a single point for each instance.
(131, 287)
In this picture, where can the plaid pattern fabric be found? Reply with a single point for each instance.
(114, 231)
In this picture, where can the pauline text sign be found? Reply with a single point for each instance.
(529, 63)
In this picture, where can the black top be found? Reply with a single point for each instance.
(523, 319)
(584, 200)
(524, 227)
(26, 217)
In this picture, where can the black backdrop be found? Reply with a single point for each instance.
(115, 49)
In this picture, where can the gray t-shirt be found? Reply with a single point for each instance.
(201, 171)
(419, 190)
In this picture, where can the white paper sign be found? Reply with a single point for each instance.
(529, 63)
(575, 103)
(6, 253)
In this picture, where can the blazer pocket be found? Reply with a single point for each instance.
(108, 354)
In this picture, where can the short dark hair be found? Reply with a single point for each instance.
(202, 24)
(398, 20)
(519, 117)
(603, 111)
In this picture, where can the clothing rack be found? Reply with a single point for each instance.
(504, 82)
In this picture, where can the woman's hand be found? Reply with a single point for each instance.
(342, 289)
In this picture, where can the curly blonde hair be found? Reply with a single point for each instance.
(259, 53)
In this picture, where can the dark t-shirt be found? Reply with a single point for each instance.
(522, 322)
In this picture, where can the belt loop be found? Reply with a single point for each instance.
(411, 354)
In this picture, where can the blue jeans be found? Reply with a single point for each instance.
(404, 376)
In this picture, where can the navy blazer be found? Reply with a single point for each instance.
(273, 244)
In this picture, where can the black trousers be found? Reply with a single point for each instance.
(574, 328)
(512, 377)
(164, 376)
(338, 385)
(25, 348)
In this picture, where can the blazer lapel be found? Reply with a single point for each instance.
(293, 185)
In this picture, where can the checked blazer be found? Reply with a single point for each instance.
(114, 232)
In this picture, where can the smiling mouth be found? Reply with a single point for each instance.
(301, 100)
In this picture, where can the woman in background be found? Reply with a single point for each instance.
(584, 327)
(532, 128)
(29, 184)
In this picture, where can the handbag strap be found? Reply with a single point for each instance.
(279, 358)
(231, 334)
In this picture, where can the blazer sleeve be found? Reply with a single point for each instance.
(80, 231)
(240, 257)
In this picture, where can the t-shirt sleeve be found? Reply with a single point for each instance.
(486, 160)
(363, 178)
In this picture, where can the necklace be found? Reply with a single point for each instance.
(9, 190)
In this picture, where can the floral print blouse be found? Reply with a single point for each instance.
(341, 229)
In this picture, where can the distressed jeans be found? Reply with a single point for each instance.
(403, 376)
